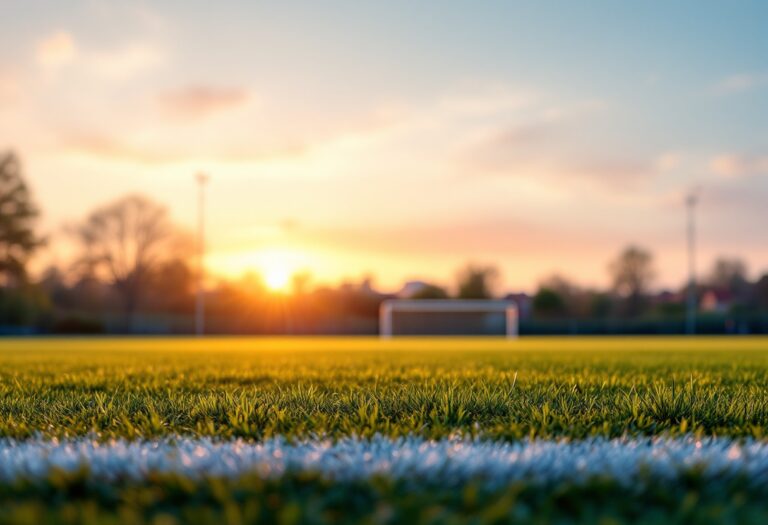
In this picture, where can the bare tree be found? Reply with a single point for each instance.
(632, 273)
(123, 241)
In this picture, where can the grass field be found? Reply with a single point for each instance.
(295, 391)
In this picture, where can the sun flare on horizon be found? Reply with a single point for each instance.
(275, 266)
(277, 278)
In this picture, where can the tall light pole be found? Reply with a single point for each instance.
(202, 179)
(690, 202)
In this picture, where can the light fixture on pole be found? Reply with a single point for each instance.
(690, 202)
(202, 179)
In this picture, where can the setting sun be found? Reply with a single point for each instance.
(276, 278)
(276, 266)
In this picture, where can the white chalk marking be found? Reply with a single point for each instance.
(448, 462)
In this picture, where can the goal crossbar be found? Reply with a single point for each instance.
(391, 306)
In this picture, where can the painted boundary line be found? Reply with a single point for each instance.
(447, 462)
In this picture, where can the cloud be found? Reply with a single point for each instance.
(491, 101)
(56, 50)
(123, 61)
(615, 170)
(508, 147)
(106, 147)
(201, 101)
(669, 161)
(731, 165)
(740, 83)
(549, 142)
(489, 235)
(102, 146)
(127, 60)
(523, 135)
(550, 150)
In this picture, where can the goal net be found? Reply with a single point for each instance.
(448, 317)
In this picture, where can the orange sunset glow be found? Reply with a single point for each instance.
(404, 170)
(345, 155)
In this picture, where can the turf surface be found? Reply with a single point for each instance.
(256, 389)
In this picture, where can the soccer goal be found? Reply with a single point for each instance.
(448, 317)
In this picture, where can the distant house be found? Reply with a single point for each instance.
(667, 297)
(411, 288)
(422, 290)
(716, 300)
(524, 303)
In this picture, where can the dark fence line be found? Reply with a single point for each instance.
(725, 325)
(710, 324)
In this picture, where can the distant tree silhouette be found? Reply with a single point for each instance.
(728, 272)
(477, 282)
(124, 241)
(572, 297)
(18, 214)
(171, 286)
(548, 303)
(600, 305)
(632, 273)
(761, 293)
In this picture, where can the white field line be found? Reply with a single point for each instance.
(448, 462)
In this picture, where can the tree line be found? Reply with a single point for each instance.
(132, 273)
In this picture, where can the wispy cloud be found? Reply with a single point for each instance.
(737, 165)
(615, 170)
(740, 83)
(109, 148)
(544, 140)
(126, 60)
(486, 101)
(119, 62)
(105, 147)
(549, 149)
(520, 135)
(669, 160)
(56, 50)
(201, 101)
(492, 235)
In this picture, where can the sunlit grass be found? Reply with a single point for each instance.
(257, 388)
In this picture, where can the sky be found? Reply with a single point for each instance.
(401, 139)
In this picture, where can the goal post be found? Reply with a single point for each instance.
(390, 307)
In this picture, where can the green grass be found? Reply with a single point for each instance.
(309, 500)
(256, 388)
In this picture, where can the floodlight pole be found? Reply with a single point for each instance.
(202, 179)
(690, 202)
